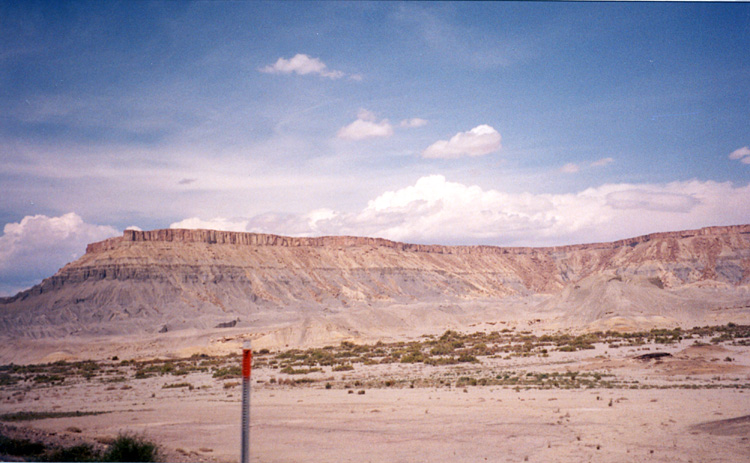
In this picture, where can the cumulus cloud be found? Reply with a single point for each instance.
(303, 64)
(602, 162)
(414, 122)
(478, 141)
(435, 210)
(569, 168)
(366, 126)
(741, 154)
(37, 246)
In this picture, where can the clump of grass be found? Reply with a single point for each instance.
(228, 372)
(81, 452)
(20, 447)
(131, 448)
(300, 371)
(7, 379)
(177, 385)
(125, 448)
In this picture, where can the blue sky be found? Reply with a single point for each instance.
(454, 123)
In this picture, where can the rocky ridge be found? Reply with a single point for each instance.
(147, 281)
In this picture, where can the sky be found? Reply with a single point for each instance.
(508, 124)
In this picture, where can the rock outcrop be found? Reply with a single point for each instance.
(174, 278)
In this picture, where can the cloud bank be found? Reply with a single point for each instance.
(478, 141)
(435, 210)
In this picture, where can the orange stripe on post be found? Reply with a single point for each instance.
(247, 362)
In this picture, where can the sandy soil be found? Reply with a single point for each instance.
(696, 407)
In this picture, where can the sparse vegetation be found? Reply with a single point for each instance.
(177, 386)
(477, 356)
(132, 448)
(20, 447)
(125, 448)
(29, 416)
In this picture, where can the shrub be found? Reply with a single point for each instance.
(177, 385)
(131, 448)
(413, 357)
(228, 372)
(467, 358)
(82, 452)
(19, 447)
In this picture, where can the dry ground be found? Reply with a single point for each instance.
(692, 406)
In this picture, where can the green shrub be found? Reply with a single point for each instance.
(177, 385)
(82, 452)
(228, 372)
(301, 371)
(131, 448)
(413, 357)
(20, 447)
(467, 358)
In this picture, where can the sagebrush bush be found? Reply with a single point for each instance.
(132, 448)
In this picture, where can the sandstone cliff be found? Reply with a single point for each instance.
(149, 280)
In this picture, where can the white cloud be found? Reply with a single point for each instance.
(569, 168)
(303, 64)
(217, 223)
(366, 126)
(434, 210)
(602, 162)
(37, 246)
(289, 224)
(414, 122)
(651, 200)
(742, 154)
(478, 141)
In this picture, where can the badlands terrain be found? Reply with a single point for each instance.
(373, 350)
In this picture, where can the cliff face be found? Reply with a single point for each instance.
(196, 277)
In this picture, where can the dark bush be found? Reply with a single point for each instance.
(131, 448)
(19, 447)
(83, 452)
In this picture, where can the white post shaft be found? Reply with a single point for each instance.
(247, 359)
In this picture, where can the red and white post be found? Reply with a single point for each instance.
(247, 364)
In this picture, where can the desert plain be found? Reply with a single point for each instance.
(500, 394)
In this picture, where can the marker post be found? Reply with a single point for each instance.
(247, 363)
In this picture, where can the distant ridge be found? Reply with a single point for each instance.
(172, 279)
(179, 235)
